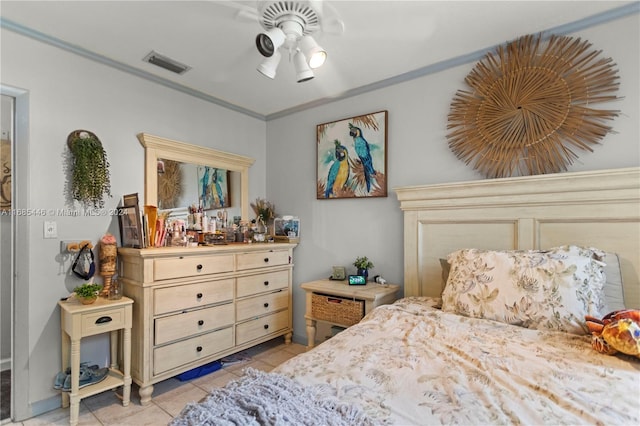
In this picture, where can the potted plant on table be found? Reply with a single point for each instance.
(363, 264)
(87, 293)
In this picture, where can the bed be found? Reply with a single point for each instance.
(454, 350)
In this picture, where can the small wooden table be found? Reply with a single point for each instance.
(372, 295)
(78, 321)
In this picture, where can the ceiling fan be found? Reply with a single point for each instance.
(288, 27)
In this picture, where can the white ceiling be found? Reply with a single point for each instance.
(383, 41)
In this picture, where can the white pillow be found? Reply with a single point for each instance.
(541, 289)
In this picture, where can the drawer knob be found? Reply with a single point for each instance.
(199, 295)
(266, 283)
(199, 267)
(266, 260)
(103, 320)
(266, 326)
(266, 305)
(201, 322)
(199, 349)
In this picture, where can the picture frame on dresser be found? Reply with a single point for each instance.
(130, 222)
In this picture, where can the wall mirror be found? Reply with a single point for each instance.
(225, 175)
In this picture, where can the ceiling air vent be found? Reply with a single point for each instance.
(165, 62)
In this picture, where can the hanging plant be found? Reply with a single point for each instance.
(90, 174)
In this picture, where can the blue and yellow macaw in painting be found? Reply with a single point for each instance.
(205, 184)
(362, 149)
(339, 171)
(218, 195)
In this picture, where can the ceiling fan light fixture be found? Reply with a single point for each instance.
(303, 72)
(315, 54)
(268, 42)
(269, 66)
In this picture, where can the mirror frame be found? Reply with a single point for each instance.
(156, 147)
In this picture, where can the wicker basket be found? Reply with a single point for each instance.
(338, 310)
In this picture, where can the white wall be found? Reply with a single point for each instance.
(334, 232)
(68, 92)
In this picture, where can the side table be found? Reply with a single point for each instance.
(347, 304)
(78, 321)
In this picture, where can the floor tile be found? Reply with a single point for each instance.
(174, 401)
(60, 416)
(275, 356)
(295, 348)
(151, 415)
(107, 406)
(216, 379)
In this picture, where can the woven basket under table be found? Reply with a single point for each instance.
(336, 309)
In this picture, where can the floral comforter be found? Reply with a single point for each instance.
(410, 363)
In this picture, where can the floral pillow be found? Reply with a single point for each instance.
(540, 289)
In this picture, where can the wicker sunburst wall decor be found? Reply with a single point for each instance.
(169, 184)
(530, 106)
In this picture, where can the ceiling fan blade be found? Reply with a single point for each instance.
(247, 14)
(331, 23)
(333, 26)
(244, 12)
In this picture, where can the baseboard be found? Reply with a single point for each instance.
(5, 364)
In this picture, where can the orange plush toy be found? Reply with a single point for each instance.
(618, 331)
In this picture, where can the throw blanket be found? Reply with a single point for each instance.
(260, 398)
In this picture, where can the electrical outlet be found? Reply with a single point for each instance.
(50, 229)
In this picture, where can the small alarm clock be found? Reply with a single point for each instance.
(338, 273)
(357, 280)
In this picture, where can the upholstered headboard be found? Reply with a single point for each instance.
(597, 209)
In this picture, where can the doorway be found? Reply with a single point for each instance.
(14, 262)
(7, 111)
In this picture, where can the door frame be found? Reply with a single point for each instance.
(20, 407)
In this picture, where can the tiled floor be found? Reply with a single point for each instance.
(169, 396)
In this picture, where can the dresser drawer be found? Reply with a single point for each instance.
(189, 296)
(174, 355)
(103, 321)
(188, 266)
(261, 305)
(255, 284)
(260, 327)
(187, 324)
(262, 259)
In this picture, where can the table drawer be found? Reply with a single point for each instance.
(261, 305)
(187, 296)
(260, 327)
(188, 266)
(103, 321)
(190, 323)
(262, 259)
(174, 355)
(262, 283)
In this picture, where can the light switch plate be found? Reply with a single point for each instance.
(50, 229)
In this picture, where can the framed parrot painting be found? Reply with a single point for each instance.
(213, 187)
(352, 157)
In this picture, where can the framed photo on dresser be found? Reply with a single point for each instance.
(130, 222)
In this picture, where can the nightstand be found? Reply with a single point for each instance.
(78, 321)
(339, 303)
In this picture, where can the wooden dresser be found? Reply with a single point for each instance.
(196, 305)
